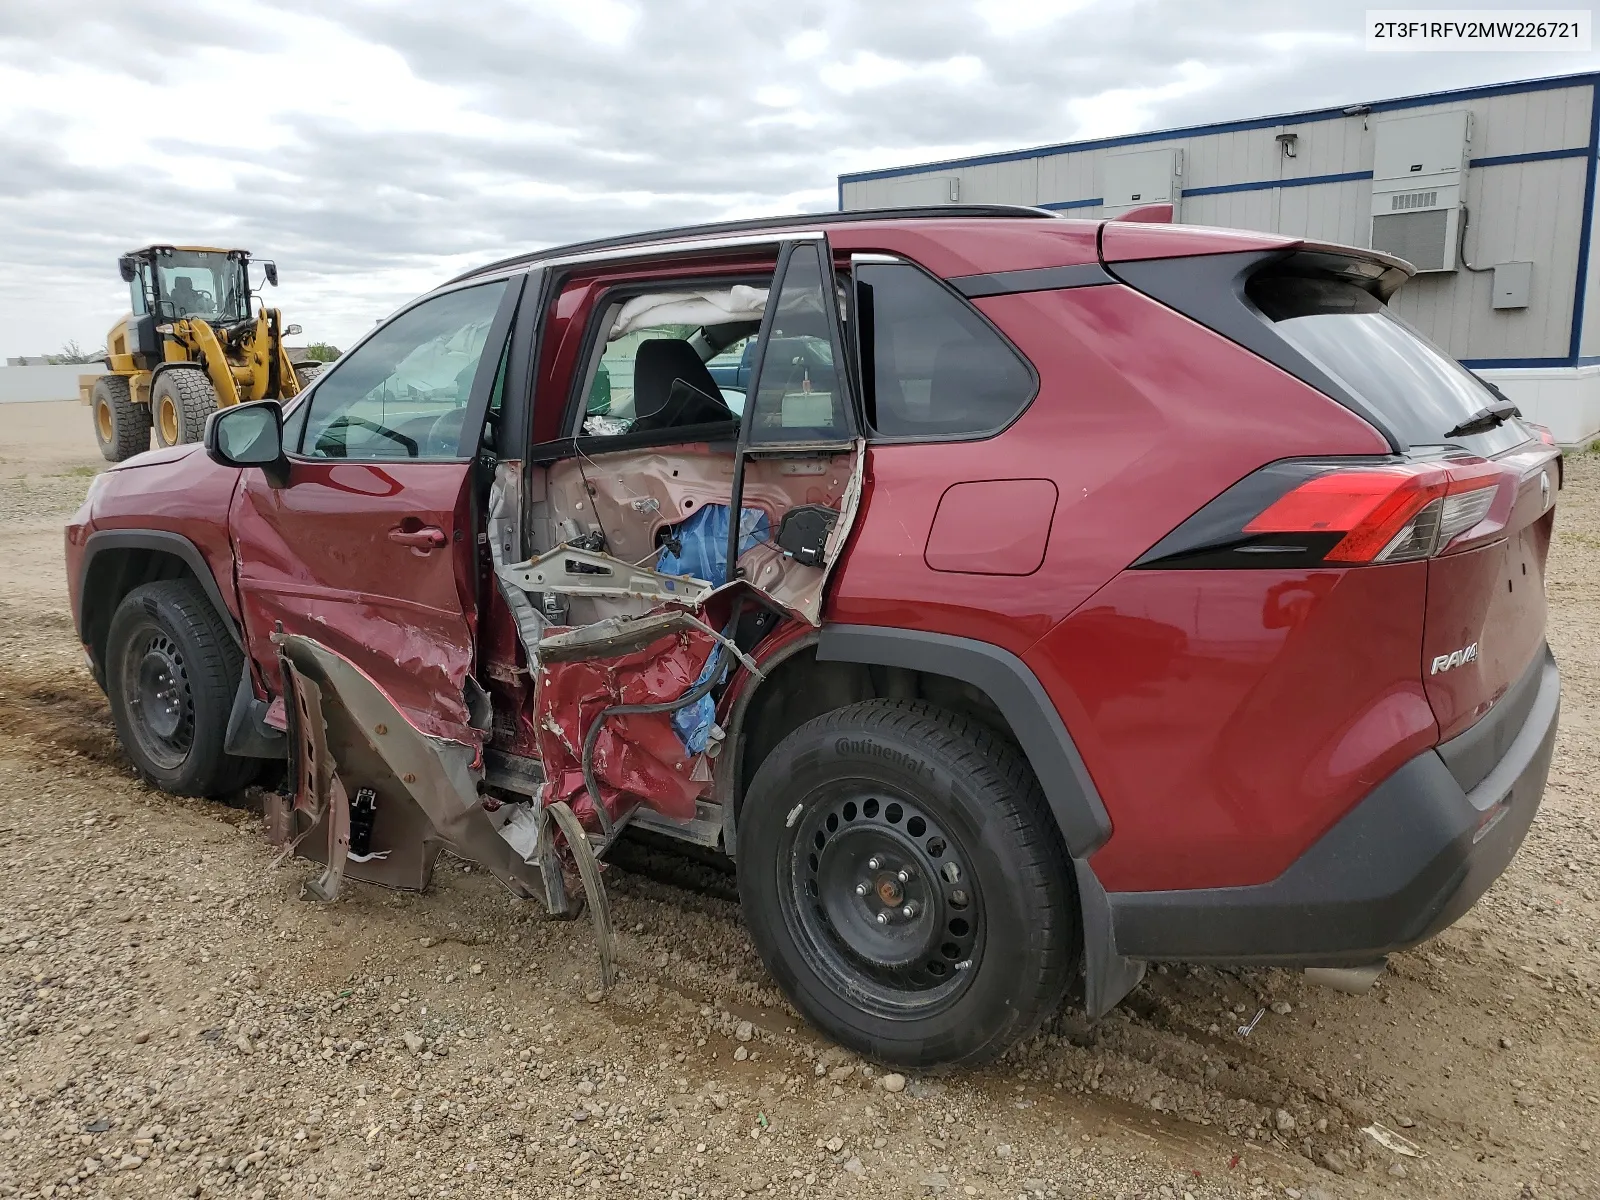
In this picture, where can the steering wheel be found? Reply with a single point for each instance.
(347, 422)
(444, 435)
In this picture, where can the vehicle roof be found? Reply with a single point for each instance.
(762, 225)
(188, 249)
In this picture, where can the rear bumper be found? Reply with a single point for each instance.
(1402, 865)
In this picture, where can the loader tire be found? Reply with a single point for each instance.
(120, 426)
(181, 401)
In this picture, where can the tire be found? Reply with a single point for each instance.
(994, 936)
(171, 670)
(120, 426)
(307, 371)
(180, 402)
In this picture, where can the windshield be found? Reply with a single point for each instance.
(1357, 340)
(205, 284)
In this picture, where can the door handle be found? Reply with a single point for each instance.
(428, 537)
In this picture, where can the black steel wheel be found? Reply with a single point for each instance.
(171, 670)
(905, 884)
(883, 899)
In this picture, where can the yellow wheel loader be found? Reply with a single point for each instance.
(191, 345)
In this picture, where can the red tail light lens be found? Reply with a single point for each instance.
(1307, 512)
(1390, 513)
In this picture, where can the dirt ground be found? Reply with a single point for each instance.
(176, 1021)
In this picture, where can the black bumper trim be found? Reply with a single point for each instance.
(1399, 867)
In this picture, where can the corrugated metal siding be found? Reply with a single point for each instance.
(1528, 210)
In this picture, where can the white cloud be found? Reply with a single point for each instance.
(375, 147)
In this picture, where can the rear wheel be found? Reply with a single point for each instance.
(905, 885)
(181, 401)
(120, 426)
(171, 670)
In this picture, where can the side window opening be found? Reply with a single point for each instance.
(650, 368)
(930, 364)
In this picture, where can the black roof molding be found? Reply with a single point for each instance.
(760, 224)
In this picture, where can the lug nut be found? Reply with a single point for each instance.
(904, 876)
(909, 911)
(883, 918)
(862, 889)
(874, 863)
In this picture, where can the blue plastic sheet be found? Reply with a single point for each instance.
(703, 553)
(692, 723)
(704, 541)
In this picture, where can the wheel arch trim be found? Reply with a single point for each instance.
(1016, 692)
(160, 542)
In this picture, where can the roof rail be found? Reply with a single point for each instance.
(757, 224)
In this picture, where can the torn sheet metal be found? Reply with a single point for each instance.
(426, 787)
(572, 571)
(638, 758)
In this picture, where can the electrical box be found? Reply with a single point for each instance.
(1143, 177)
(1419, 167)
(917, 193)
(1512, 282)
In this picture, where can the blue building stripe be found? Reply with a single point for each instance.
(1506, 160)
(1262, 185)
(1581, 285)
(1165, 135)
(1092, 202)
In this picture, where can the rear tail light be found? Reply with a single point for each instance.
(1308, 512)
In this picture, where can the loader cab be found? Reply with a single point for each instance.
(172, 283)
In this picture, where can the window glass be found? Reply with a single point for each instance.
(140, 289)
(403, 393)
(798, 398)
(201, 283)
(1421, 390)
(932, 366)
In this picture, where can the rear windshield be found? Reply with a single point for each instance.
(1418, 388)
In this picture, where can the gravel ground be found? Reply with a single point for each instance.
(175, 1020)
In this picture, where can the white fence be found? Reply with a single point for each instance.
(21, 384)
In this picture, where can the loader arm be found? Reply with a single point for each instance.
(199, 335)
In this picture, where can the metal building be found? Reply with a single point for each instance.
(1488, 191)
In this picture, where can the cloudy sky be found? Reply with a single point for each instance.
(374, 147)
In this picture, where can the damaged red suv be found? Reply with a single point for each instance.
(1016, 600)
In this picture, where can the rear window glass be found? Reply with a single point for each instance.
(1350, 334)
(932, 366)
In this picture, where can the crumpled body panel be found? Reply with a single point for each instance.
(638, 758)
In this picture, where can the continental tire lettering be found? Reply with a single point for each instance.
(888, 753)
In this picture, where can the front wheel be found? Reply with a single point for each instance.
(120, 426)
(905, 884)
(171, 670)
(182, 400)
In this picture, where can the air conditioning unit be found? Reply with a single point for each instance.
(1419, 168)
(1130, 181)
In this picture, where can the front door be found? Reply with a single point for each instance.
(370, 548)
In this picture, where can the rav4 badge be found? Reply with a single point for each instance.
(1455, 658)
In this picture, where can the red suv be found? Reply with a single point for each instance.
(1100, 593)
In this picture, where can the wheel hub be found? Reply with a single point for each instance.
(883, 893)
(160, 694)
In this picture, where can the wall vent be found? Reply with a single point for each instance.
(1412, 200)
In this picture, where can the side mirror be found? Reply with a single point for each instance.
(249, 435)
(291, 330)
(270, 270)
(128, 266)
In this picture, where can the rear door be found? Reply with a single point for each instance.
(370, 547)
